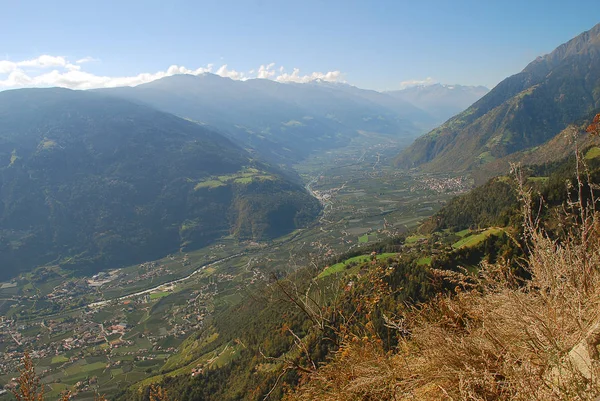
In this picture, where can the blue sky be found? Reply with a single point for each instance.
(371, 44)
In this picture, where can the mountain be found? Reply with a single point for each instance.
(405, 109)
(281, 122)
(523, 111)
(441, 101)
(90, 181)
(563, 145)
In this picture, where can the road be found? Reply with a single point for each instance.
(163, 285)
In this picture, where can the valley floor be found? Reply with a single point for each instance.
(122, 326)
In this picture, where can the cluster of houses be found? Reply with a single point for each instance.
(443, 185)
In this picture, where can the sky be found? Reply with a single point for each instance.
(381, 45)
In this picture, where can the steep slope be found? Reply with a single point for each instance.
(441, 101)
(282, 122)
(563, 145)
(522, 111)
(90, 181)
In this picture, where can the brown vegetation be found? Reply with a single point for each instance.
(594, 127)
(497, 337)
(158, 393)
(29, 387)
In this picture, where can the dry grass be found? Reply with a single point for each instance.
(494, 339)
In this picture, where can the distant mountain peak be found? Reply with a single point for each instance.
(439, 85)
(442, 101)
(521, 112)
(584, 43)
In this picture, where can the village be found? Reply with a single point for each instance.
(117, 336)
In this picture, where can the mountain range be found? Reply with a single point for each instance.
(521, 112)
(284, 123)
(96, 179)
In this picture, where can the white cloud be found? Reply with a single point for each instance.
(233, 74)
(331, 76)
(266, 72)
(47, 71)
(44, 61)
(416, 82)
(7, 66)
(18, 78)
(87, 59)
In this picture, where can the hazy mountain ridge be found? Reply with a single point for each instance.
(91, 181)
(441, 101)
(523, 111)
(283, 122)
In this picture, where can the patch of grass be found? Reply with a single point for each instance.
(188, 352)
(158, 295)
(592, 153)
(462, 233)
(226, 356)
(367, 237)
(339, 267)
(59, 359)
(56, 389)
(245, 176)
(415, 238)
(486, 157)
(83, 368)
(424, 261)
(13, 157)
(243, 180)
(476, 239)
(209, 184)
(47, 144)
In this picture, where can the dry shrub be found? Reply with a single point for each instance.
(361, 370)
(493, 339)
(29, 387)
(157, 393)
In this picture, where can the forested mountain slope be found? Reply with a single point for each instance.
(90, 181)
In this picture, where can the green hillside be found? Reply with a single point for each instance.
(89, 182)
